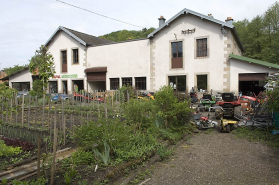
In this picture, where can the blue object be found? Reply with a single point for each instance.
(274, 132)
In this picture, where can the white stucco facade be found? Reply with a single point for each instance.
(127, 59)
(22, 77)
(63, 42)
(241, 67)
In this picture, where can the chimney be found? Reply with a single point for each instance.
(210, 15)
(161, 21)
(229, 21)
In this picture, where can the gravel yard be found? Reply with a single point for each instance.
(218, 158)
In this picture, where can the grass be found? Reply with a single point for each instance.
(258, 135)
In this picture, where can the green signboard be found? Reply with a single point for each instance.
(69, 76)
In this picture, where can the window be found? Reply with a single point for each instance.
(64, 60)
(127, 81)
(75, 56)
(202, 47)
(177, 55)
(202, 82)
(178, 82)
(114, 83)
(140, 83)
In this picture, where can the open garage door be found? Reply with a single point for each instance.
(96, 77)
(250, 83)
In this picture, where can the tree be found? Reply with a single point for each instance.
(12, 70)
(41, 64)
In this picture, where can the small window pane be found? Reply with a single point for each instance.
(174, 49)
(140, 83)
(114, 83)
(127, 81)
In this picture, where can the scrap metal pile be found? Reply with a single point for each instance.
(254, 111)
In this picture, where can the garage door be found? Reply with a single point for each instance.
(96, 74)
(252, 76)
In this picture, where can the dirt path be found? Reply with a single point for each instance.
(218, 158)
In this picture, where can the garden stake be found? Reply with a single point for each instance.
(11, 111)
(39, 157)
(36, 104)
(43, 121)
(54, 154)
(16, 102)
(22, 114)
(64, 130)
(29, 111)
(2, 112)
(48, 123)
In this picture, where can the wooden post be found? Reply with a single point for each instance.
(16, 102)
(22, 108)
(29, 110)
(54, 154)
(87, 119)
(36, 104)
(72, 122)
(11, 121)
(62, 110)
(2, 111)
(43, 121)
(48, 123)
(112, 99)
(137, 95)
(39, 157)
(64, 129)
(98, 105)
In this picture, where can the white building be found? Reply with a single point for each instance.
(189, 50)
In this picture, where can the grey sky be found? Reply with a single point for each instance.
(27, 24)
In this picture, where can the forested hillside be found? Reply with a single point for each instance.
(260, 36)
(123, 35)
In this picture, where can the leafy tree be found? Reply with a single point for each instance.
(12, 70)
(42, 64)
(260, 37)
(124, 35)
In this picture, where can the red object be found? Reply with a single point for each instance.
(204, 118)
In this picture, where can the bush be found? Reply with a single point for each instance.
(173, 112)
(136, 111)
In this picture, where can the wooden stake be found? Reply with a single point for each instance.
(22, 109)
(16, 102)
(36, 104)
(54, 154)
(39, 157)
(64, 129)
(43, 121)
(29, 110)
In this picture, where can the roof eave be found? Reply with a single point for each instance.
(68, 32)
(187, 11)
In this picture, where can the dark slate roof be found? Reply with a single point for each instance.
(83, 38)
(209, 18)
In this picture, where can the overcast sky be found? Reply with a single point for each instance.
(27, 24)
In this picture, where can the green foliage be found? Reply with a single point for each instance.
(136, 146)
(258, 135)
(37, 88)
(16, 68)
(113, 131)
(139, 112)
(163, 152)
(124, 35)
(168, 134)
(104, 155)
(173, 112)
(42, 64)
(6, 93)
(40, 181)
(8, 150)
(273, 95)
(70, 175)
(260, 37)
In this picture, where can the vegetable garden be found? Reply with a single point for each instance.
(112, 137)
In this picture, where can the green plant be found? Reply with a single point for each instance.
(163, 152)
(4, 181)
(104, 155)
(8, 150)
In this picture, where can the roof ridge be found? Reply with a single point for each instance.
(79, 31)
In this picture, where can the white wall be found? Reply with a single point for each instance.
(127, 59)
(63, 41)
(238, 67)
(212, 65)
(24, 76)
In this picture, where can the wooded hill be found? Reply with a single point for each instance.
(260, 36)
(123, 35)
